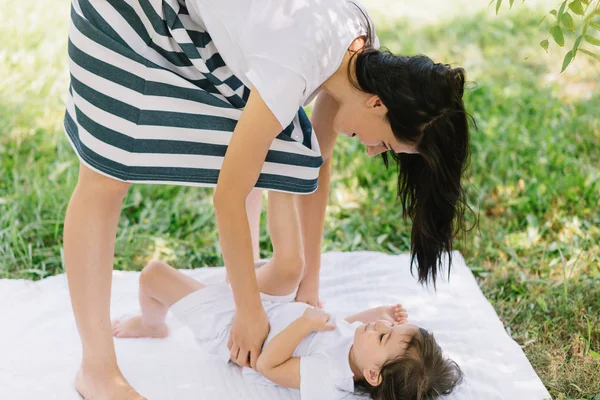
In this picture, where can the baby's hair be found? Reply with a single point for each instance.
(421, 373)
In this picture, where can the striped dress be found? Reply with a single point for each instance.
(151, 101)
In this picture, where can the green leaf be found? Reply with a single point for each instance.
(576, 45)
(589, 53)
(544, 43)
(510, 4)
(594, 355)
(562, 9)
(592, 40)
(553, 12)
(558, 36)
(595, 26)
(576, 7)
(567, 21)
(567, 60)
(498, 4)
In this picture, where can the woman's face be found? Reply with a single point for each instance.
(363, 117)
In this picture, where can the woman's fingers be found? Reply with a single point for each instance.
(233, 354)
(254, 357)
(242, 359)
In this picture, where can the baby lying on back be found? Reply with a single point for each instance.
(375, 352)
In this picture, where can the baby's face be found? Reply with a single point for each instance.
(377, 342)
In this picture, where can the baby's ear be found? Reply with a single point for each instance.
(372, 376)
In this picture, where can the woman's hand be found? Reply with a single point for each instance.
(317, 319)
(248, 333)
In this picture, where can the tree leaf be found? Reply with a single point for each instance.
(594, 355)
(592, 40)
(567, 61)
(589, 53)
(561, 9)
(576, 7)
(576, 45)
(510, 4)
(595, 26)
(544, 44)
(558, 36)
(553, 12)
(567, 21)
(498, 4)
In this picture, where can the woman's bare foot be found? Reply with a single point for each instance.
(92, 387)
(135, 328)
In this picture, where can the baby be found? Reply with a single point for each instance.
(374, 352)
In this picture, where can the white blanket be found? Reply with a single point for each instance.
(40, 349)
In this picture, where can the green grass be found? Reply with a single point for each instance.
(534, 181)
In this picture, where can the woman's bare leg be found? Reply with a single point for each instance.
(160, 287)
(254, 209)
(281, 275)
(89, 241)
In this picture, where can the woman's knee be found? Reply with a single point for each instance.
(291, 266)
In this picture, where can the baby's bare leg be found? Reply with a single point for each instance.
(160, 287)
(281, 275)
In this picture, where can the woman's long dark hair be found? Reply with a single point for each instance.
(425, 108)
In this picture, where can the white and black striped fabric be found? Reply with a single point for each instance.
(152, 101)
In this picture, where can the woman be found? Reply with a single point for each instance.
(155, 98)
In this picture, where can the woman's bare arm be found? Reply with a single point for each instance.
(243, 161)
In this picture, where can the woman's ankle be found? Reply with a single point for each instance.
(100, 366)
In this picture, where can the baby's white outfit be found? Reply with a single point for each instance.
(324, 366)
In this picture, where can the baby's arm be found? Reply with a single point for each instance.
(276, 362)
(394, 313)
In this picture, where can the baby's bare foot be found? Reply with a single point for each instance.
(395, 313)
(135, 328)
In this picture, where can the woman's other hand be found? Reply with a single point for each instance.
(248, 333)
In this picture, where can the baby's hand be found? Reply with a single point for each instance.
(317, 319)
